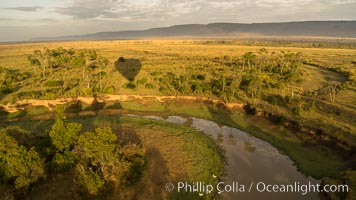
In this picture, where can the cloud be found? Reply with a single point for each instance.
(65, 17)
(141, 10)
(161, 10)
(26, 8)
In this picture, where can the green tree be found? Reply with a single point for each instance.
(18, 166)
(64, 134)
(100, 154)
(63, 161)
(249, 59)
(102, 64)
(90, 180)
(34, 62)
(97, 146)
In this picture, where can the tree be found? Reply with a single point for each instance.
(18, 166)
(254, 89)
(262, 63)
(102, 63)
(65, 57)
(90, 180)
(332, 89)
(64, 134)
(98, 162)
(249, 58)
(90, 62)
(97, 146)
(34, 62)
(100, 155)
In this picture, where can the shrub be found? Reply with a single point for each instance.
(109, 90)
(87, 91)
(54, 83)
(5, 89)
(121, 59)
(35, 94)
(280, 119)
(149, 86)
(201, 77)
(130, 85)
(155, 73)
(142, 81)
(249, 109)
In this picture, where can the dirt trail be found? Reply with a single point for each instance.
(50, 104)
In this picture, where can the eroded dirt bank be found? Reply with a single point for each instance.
(50, 104)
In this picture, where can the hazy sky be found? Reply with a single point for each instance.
(25, 19)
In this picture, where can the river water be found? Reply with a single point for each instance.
(250, 160)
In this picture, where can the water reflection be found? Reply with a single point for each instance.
(176, 119)
(250, 159)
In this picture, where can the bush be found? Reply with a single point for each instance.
(121, 59)
(130, 85)
(54, 83)
(5, 89)
(201, 77)
(87, 91)
(35, 94)
(109, 90)
(142, 81)
(249, 109)
(149, 86)
(275, 100)
(280, 119)
(155, 73)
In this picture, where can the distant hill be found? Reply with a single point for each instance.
(299, 29)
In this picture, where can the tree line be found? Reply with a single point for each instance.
(99, 159)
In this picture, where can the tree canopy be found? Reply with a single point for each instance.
(19, 166)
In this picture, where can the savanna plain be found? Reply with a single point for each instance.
(72, 125)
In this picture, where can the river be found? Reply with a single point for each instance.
(250, 160)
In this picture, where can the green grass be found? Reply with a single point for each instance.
(131, 105)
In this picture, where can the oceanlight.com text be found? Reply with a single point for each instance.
(221, 187)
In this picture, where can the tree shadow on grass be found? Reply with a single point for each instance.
(219, 113)
(96, 106)
(3, 113)
(152, 184)
(129, 68)
(116, 105)
(76, 106)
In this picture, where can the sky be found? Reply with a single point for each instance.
(26, 19)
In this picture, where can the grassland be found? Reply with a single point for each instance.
(319, 135)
